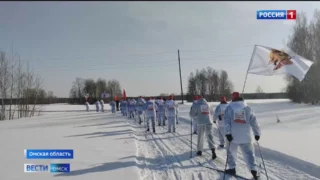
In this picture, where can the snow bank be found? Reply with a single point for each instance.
(101, 143)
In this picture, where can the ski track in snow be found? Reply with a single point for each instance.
(166, 156)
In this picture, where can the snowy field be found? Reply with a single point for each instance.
(108, 146)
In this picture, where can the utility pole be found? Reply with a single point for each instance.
(180, 76)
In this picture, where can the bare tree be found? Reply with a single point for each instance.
(259, 90)
(305, 41)
(213, 82)
(114, 88)
(225, 85)
(192, 85)
(12, 86)
(4, 85)
(38, 92)
(101, 86)
(164, 95)
(78, 90)
(209, 82)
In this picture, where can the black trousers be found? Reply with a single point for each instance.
(117, 104)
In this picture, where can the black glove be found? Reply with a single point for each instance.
(257, 138)
(229, 137)
(214, 121)
(220, 118)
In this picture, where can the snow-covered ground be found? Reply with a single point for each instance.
(112, 147)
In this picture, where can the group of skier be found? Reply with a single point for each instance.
(235, 123)
(151, 110)
(99, 106)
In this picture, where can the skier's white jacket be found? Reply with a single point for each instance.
(140, 104)
(124, 105)
(192, 106)
(97, 104)
(240, 122)
(161, 106)
(131, 106)
(102, 103)
(171, 108)
(150, 108)
(201, 112)
(112, 104)
(220, 109)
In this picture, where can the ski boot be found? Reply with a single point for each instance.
(221, 145)
(255, 174)
(195, 133)
(214, 156)
(231, 171)
(199, 153)
(148, 130)
(154, 130)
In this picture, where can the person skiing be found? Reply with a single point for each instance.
(165, 112)
(124, 107)
(171, 107)
(177, 112)
(150, 111)
(193, 119)
(140, 108)
(113, 106)
(102, 105)
(131, 108)
(134, 108)
(87, 106)
(201, 112)
(97, 106)
(161, 112)
(240, 123)
(219, 115)
(116, 99)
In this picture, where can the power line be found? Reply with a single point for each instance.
(122, 65)
(201, 50)
(129, 55)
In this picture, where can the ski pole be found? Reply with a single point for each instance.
(264, 166)
(225, 167)
(219, 131)
(191, 136)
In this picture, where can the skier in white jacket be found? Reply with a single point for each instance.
(113, 106)
(219, 115)
(240, 124)
(150, 110)
(87, 106)
(102, 105)
(171, 107)
(201, 111)
(193, 119)
(97, 106)
(140, 109)
(161, 112)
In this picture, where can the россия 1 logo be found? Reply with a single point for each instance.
(277, 14)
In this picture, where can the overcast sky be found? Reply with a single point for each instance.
(136, 42)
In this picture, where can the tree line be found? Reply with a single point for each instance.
(20, 88)
(81, 87)
(209, 83)
(305, 41)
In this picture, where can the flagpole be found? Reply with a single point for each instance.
(245, 80)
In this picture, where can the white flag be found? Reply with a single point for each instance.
(267, 61)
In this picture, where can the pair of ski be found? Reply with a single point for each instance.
(222, 171)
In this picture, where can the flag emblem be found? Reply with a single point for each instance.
(279, 59)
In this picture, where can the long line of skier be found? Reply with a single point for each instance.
(235, 121)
